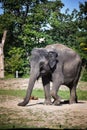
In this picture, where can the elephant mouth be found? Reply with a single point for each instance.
(43, 72)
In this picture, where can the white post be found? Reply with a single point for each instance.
(16, 74)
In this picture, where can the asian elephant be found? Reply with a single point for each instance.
(56, 63)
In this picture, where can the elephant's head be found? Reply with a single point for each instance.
(42, 62)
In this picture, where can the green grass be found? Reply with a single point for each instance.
(82, 95)
(11, 92)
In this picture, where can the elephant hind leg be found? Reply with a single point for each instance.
(73, 95)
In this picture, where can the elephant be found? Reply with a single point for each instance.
(56, 63)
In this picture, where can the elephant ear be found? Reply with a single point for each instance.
(52, 58)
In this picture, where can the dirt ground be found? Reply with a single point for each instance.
(37, 115)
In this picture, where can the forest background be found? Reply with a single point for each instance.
(37, 23)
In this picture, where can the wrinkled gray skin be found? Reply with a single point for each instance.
(56, 63)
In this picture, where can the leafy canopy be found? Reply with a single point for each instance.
(37, 23)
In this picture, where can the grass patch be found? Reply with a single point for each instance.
(81, 94)
(11, 92)
(21, 93)
(64, 94)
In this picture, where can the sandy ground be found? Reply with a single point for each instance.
(37, 114)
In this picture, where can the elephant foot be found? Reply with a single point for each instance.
(47, 102)
(21, 104)
(56, 102)
(24, 103)
(71, 101)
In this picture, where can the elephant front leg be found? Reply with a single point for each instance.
(54, 91)
(56, 98)
(46, 86)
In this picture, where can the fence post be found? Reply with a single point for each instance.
(16, 74)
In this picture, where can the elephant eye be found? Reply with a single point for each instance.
(41, 64)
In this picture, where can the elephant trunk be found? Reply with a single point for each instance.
(29, 91)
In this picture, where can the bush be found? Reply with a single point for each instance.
(84, 75)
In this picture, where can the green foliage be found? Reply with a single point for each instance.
(82, 34)
(15, 61)
(84, 75)
(27, 24)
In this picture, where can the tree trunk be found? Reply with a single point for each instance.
(2, 55)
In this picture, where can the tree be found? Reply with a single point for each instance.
(27, 23)
(82, 36)
(37, 19)
(2, 55)
(83, 26)
(16, 61)
(82, 33)
(64, 28)
(24, 21)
